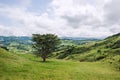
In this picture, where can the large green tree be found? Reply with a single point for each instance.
(45, 44)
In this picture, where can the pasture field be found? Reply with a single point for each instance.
(28, 67)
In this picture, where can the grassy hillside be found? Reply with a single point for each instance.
(28, 67)
(83, 62)
(105, 50)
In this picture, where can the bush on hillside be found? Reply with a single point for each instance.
(116, 45)
(72, 50)
(115, 61)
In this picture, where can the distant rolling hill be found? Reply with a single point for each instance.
(16, 44)
(6, 40)
(78, 40)
(24, 43)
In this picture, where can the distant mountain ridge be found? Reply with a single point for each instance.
(27, 40)
(6, 40)
(79, 38)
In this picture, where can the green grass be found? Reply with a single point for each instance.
(28, 67)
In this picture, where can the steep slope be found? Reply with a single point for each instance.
(107, 50)
(11, 65)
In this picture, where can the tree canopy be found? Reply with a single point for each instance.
(45, 44)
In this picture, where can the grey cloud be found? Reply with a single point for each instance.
(112, 12)
(73, 21)
(76, 21)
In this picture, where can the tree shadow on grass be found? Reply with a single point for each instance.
(47, 61)
(40, 61)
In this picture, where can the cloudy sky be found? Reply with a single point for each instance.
(71, 18)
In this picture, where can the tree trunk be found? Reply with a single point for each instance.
(44, 59)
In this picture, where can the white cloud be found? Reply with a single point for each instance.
(72, 18)
(113, 12)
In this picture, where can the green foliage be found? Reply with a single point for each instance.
(70, 50)
(45, 44)
(116, 44)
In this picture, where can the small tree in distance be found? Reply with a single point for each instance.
(45, 44)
